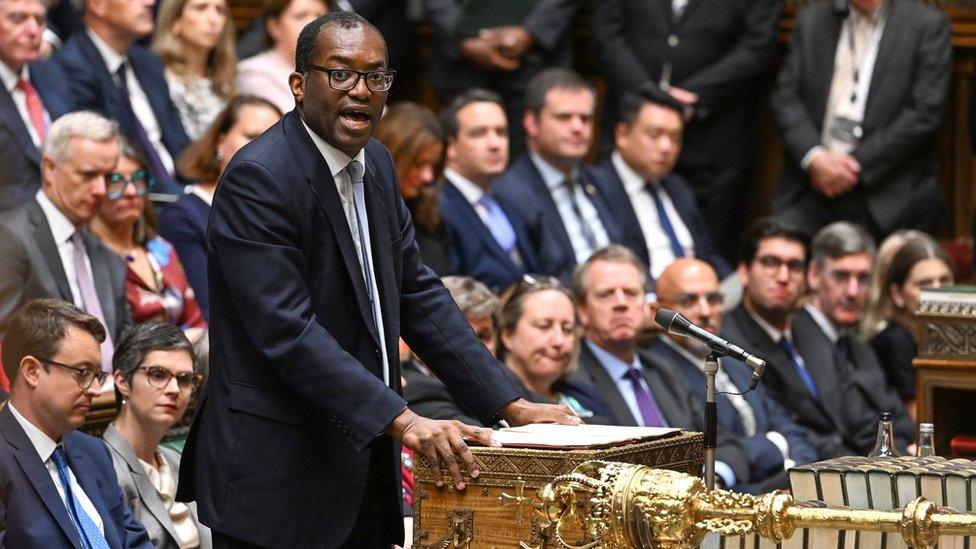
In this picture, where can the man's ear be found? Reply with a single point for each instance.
(531, 123)
(814, 276)
(30, 371)
(297, 83)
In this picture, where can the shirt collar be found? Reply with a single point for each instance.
(825, 324)
(196, 191)
(113, 59)
(61, 227)
(471, 192)
(10, 78)
(41, 442)
(614, 366)
(633, 182)
(770, 330)
(552, 177)
(336, 159)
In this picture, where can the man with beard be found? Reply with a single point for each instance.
(801, 373)
(773, 442)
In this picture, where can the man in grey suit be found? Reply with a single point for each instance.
(858, 102)
(46, 248)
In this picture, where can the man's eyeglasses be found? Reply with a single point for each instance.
(84, 376)
(843, 278)
(770, 265)
(159, 377)
(688, 300)
(347, 79)
(141, 181)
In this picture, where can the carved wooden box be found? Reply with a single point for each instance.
(496, 510)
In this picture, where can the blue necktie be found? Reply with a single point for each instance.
(355, 171)
(649, 410)
(666, 226)
(498, 223)
(798, 366)
(91, 536)
(142, 138)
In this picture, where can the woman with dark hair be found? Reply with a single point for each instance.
(155, 284)
(537, 335)
(415, 139)
(184, 223)
(266, 74)
(920, 263)
(155, 376)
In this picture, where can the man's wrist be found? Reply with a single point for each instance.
(808, 158)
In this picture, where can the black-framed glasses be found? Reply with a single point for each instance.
(347, 79)
(84, 376)
(141, 181)
(159, 377)
(770, 265)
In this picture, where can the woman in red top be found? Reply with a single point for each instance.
(156, 285)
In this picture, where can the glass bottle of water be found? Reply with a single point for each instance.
(885, 445)
(926, 440)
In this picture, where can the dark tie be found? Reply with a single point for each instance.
(801, 370)
(645, 401)
(35, 108)
(665, 221)
(588, 234)
(142, 138)
(91, 536)
(89, 296)
(498, 223)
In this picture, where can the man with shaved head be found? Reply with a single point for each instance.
(772, 441)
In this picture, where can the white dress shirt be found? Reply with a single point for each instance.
(137, 97)
(470, 191)
(63, 229)
(658, 243)
(10, 79)
(45, 449)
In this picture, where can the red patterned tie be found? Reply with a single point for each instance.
(35, 109)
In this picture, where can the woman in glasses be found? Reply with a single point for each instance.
(155, 284)
(155, 375)
(537, 332)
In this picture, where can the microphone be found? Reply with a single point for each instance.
(676, 324)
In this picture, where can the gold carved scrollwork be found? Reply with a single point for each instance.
(458, 534)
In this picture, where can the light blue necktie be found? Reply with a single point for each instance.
(498, 223)
(355, 171)
(91, 536)
(798, 366)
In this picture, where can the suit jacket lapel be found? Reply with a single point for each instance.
(10, 117)
(606, 387)
(81, 465)
(826, 54)
(685, 15)
(37, 473)
(538, 185)
(49, 249)
(889, 48)
(474, 226)
(147, 493)
(665, 395)
(101, 265)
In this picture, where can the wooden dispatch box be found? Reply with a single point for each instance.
(495, 510)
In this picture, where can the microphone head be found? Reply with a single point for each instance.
(672, 321)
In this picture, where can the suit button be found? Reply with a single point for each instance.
(376, 352)
(673, 40)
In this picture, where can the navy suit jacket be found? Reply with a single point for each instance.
(765, 460)
(184, 225)
(21, 159)
(93, 88)
(32, 513)
(611, 189)
(295, 406)
(522, 186)
(474, 251)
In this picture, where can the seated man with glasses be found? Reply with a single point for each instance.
(156, 286)
(801, 373)
(45, 244)
(59, 487)
(155, 376)
(772, 441)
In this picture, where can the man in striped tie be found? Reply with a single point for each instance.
(60, 489)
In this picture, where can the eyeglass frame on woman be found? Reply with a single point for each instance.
(359, 75)
(80, 372)
(188, 386)
(147, 178)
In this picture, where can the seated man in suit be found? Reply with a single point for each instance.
(33, 94)
(801, 372)
(59, 486)
(654, 207)
(551, 187)
(109, 73)
(491, 242)
(46, 247)
(635, 389)
(841, 261)
(426, 394)
(773, 442)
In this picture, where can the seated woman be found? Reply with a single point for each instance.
(184, 224)
(266, 74)
(195, 40)
(414, 137)
(154, 378)
(919, 263)
(155, 284)
(537, 332)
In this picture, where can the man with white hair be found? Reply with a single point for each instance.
(46, 248)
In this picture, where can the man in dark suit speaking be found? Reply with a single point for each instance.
(314, 273)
